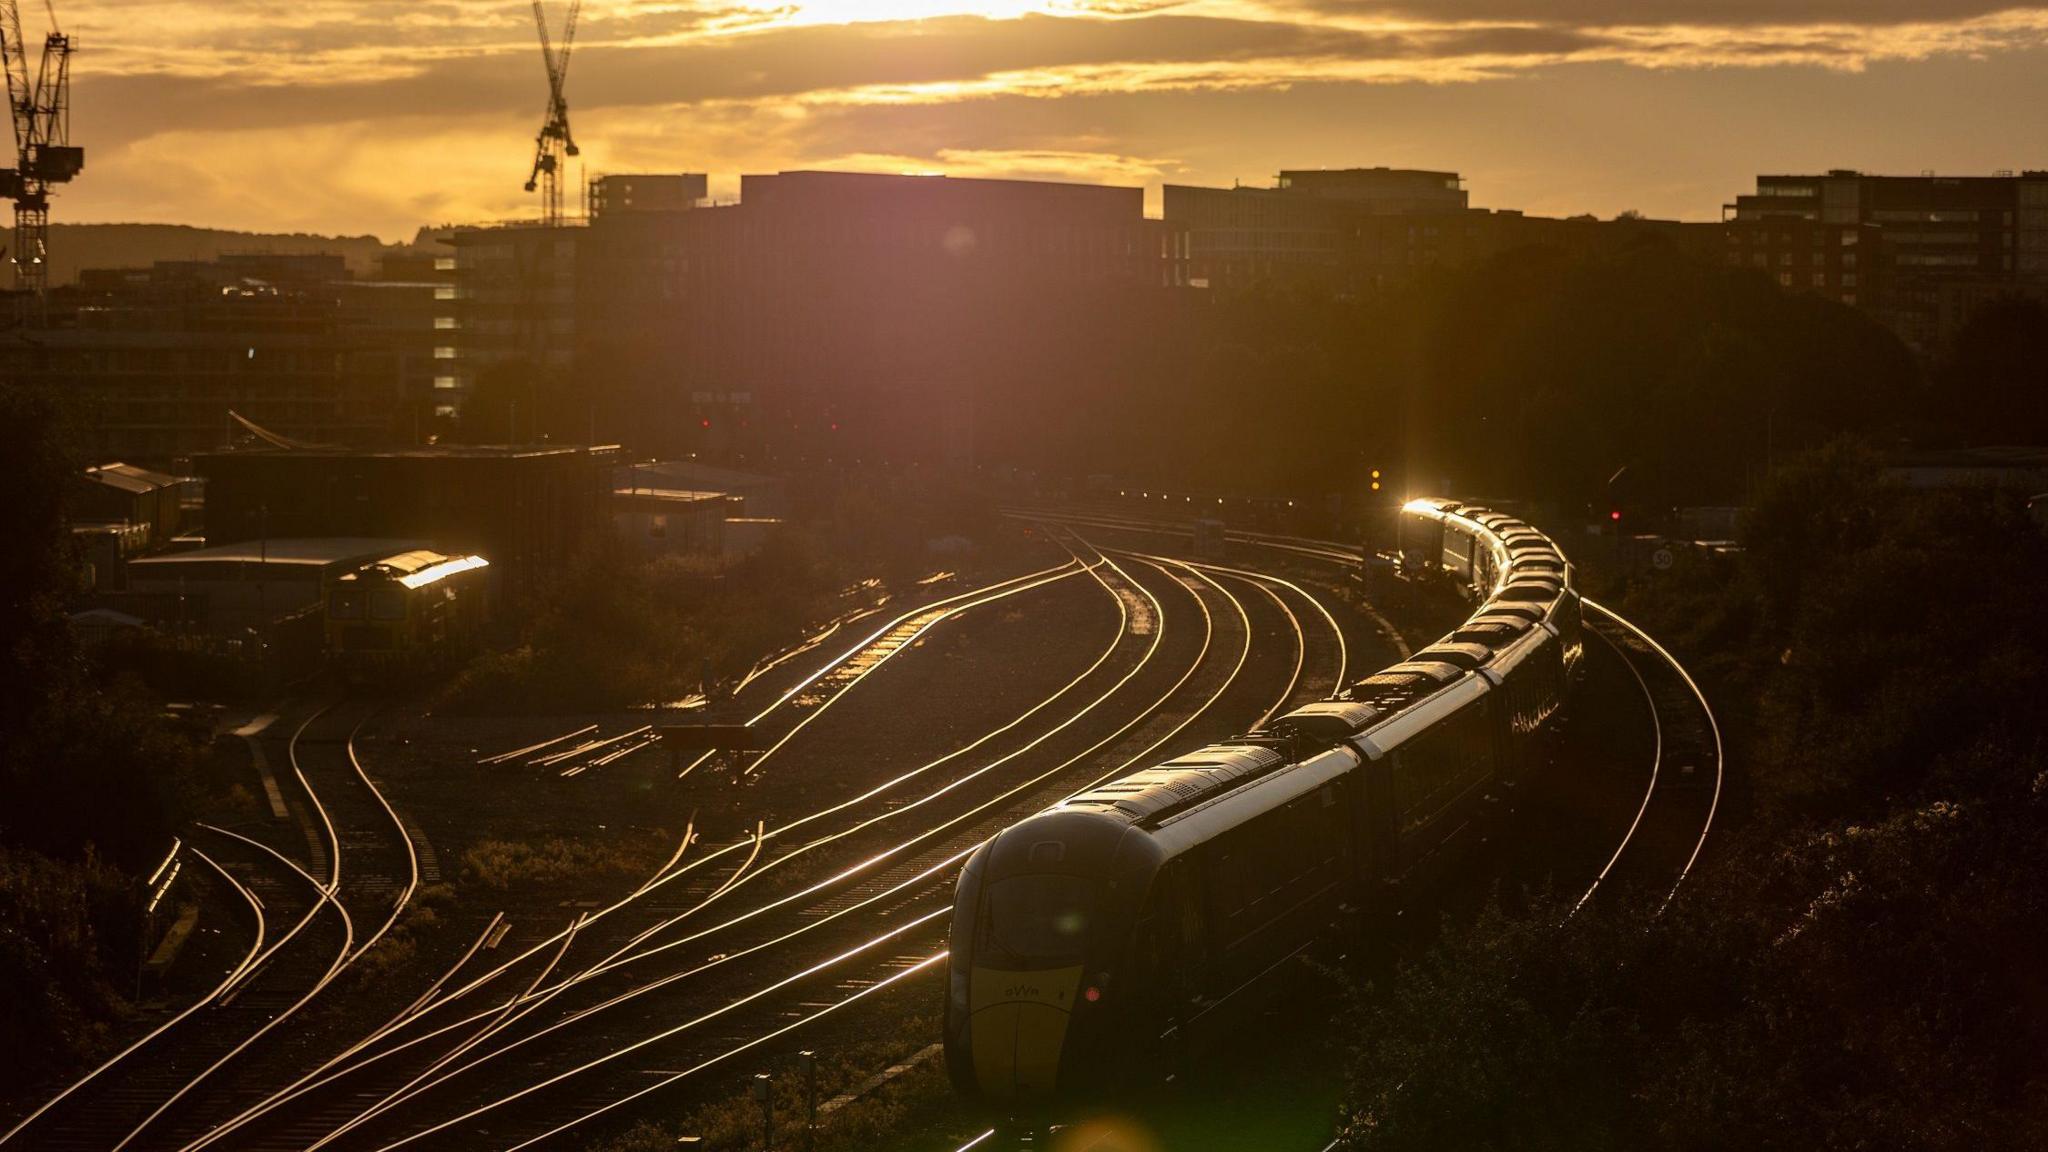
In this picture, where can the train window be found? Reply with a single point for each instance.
(345, 604)
(1042, 919)
(387, 604)
(1440, 766)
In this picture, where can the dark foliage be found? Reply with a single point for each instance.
(1994, 382)
(1856, 966)
(1535, 373)
(89, 781)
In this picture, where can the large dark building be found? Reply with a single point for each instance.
(1362, 229)
(158, 357)
(852, 315)
(525, 509)
(1919, 252)
(510, 296)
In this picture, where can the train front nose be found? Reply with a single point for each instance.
(1018, 1022)
(1021, 948)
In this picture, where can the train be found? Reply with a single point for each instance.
(1106, 941)
(410, 612)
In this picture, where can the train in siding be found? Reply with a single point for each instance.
(408, 612)
(1115, 935)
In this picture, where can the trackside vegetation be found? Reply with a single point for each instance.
(1857, 963)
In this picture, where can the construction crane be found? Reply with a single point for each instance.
(40, 103)
(555, 141)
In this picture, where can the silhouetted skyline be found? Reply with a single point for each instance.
(384, 116)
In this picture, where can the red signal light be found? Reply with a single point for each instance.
(1092, 994)
(704, 423)
(1614, 515)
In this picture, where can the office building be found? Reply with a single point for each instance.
(1927, 250)
(848, 315)
(1360, 230)
(157, 358)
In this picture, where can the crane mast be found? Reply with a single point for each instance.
(39, 104)
(555, 140)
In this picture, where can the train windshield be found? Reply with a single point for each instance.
(1039, 921)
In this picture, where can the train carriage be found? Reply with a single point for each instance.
(407, 612)
(1109, 937)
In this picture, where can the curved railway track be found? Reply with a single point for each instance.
(546, 1041)
(150, 1088)
(920, 896)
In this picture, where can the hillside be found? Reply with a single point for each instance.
(76, 246)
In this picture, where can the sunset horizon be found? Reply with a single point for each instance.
(380, 119)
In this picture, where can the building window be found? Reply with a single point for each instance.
(444, 292)
(1785, 258)
(444, 322)
(1849, 239)
(1848, 279)
(1761, 259)
(1784, 279)
(1849, 298)
(444, 352)
(444, 263)
(445, 382)
(1848, 259)
(1820, 279)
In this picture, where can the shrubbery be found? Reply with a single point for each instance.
(1857, 963)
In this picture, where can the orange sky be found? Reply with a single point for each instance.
(381, 115)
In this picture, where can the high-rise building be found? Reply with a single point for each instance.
(1917, 251)
(510, 296)
(157, 358)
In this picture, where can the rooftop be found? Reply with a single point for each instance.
(130, 478)
(668, 495)
(310, 551)
(422, 452)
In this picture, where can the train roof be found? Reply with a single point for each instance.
(1147, 797)
(1327, 720)
(417, 568)
(1435, 670)
(1492, 632)
(1460, 654)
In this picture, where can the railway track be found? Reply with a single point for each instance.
(825, 685)
(1671, 825)
(891, 893)
(921, 894)
(549, 1039)
(1674, 819)
(162, 1084)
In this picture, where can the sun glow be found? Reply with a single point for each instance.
(870, 11)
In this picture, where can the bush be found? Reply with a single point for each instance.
(1854, 965)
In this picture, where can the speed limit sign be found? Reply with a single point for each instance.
(1662, 559)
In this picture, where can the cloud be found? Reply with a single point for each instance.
(381, 113)
(1687, 13)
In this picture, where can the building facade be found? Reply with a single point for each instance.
(526, 509)
(1928, 249)
(1362, 230)
(510, 296)
(845, 315)
(157, 358)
